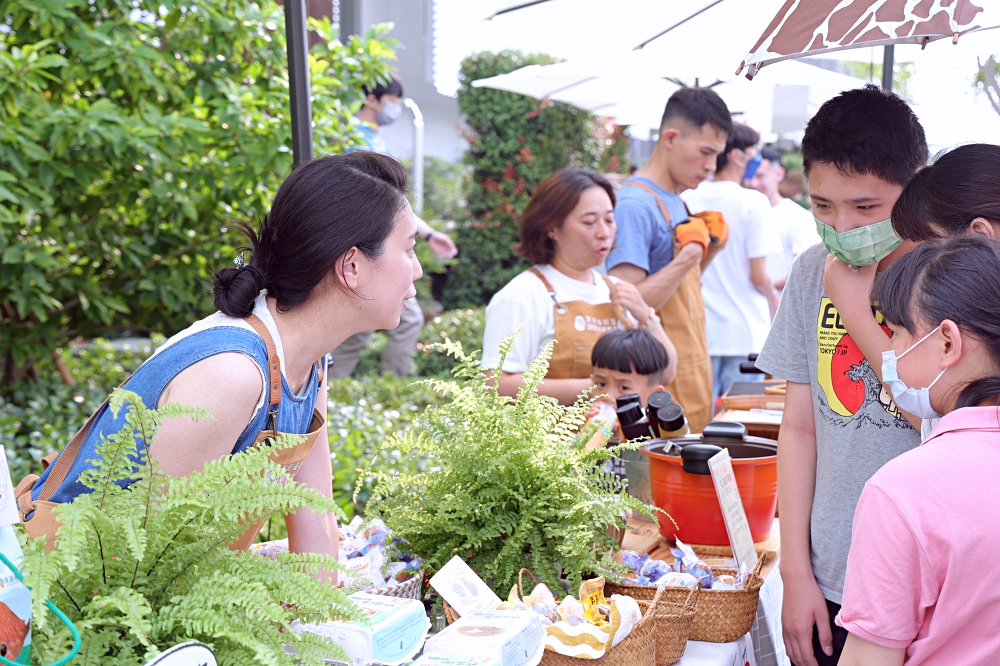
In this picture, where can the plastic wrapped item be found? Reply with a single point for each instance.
(372, 557)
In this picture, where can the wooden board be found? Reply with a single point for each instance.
(769, 394)
(758, 424)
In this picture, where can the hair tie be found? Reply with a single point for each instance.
(240, 264)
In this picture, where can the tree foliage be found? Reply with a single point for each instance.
(141, 563)
(507, 484)
(131, 132)
(514, 143)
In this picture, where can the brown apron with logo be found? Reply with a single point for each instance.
(44, 522)
(683, 318)
(578, 327)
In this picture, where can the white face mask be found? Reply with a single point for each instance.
(390, 113)
(914, 401)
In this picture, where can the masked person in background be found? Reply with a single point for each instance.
(794, 223)
(383, 106)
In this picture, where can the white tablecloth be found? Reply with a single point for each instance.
(738, 653)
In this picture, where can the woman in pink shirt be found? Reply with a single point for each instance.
(920, 576)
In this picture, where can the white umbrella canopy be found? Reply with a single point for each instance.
(633, 90)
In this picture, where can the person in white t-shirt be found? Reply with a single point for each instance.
(795, 224)
(567, 230)
(739, 294)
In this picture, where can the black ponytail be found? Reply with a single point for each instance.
(322, 210)
(958, 279)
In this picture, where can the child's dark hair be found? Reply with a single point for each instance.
(960, 186)
(958, 280)
(866, 131)
(634, 350)
(697, 106)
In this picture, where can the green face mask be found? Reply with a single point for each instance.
(863, 246)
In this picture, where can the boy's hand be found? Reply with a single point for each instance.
(802, 608)
(626, 295)
(849, 288)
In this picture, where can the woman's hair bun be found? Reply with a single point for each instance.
(235, 289)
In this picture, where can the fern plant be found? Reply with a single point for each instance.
(141, 563)
(510, 483)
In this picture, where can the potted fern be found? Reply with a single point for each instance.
(143, 568)
(509, 483)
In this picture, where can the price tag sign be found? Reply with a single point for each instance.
(721, 467)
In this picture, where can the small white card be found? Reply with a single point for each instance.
(463, 589)
(740, 538)
(8, 503)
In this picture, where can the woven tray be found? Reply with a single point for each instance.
(721, 616)
(408, 589)
(638, 648)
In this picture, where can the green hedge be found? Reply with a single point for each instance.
(514, 143)
(132, 134)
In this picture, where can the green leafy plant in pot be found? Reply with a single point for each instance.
(510, 482)
(141, 562)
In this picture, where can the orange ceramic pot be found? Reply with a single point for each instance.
(682, 484)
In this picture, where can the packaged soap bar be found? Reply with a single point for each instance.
(515, 637)
(396, 631)
(441, 659)
(462, 588)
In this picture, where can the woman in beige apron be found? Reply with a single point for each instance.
(318, 272)
(567, 230)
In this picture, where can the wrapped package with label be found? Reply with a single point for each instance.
(442, 659)
(514, 637)
(396, 631)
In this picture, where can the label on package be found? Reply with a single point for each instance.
(440, 659)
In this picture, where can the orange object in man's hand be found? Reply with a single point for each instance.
(718, 228)
(693, 230)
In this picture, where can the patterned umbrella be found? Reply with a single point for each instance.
(806, 27)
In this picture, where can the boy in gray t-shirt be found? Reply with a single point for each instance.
(840, 424)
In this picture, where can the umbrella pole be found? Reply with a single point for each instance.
(887, 57)
(297, 47)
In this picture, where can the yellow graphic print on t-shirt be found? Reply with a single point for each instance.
(847, 379)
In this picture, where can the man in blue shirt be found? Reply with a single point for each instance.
(662, 250)
(383, 106)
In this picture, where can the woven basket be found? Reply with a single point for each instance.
(721, 616)
(673, 627)
(638, 648)
(408, 589)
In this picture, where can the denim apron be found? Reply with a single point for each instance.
(282, 413)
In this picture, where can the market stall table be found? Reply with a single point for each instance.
(765, 635)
